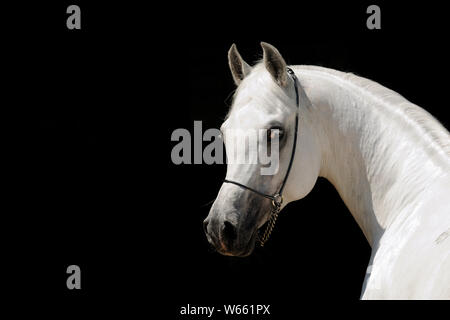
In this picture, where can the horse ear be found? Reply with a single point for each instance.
(274, 63)
(239, 68)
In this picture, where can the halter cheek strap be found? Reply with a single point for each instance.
(277, 198)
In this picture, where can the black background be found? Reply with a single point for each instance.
(92, 183)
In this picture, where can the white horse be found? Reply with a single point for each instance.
(388, 158)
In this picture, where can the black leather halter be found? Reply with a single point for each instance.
(277, 198)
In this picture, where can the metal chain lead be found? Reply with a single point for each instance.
(272, 220)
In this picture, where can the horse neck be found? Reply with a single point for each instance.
(376, 165)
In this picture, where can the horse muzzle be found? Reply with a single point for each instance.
(227, 239)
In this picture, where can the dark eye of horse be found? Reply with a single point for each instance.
(272, 132)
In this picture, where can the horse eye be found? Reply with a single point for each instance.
(272, 132)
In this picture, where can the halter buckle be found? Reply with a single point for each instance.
(277, 201)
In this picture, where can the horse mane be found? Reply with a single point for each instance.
(419, 119)
(416, 118)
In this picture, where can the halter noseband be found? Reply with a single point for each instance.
(277, 198)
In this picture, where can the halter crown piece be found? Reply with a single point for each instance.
(277, 198)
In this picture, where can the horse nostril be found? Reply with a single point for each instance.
(205, 226)
(229, 231)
